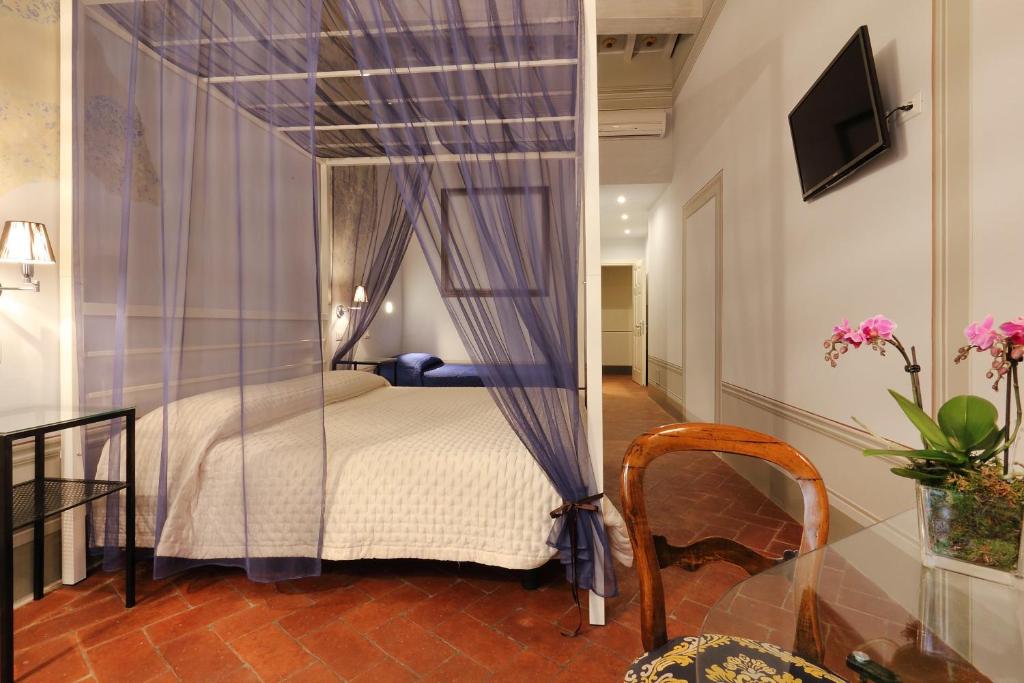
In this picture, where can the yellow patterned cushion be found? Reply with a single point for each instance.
(724, 659)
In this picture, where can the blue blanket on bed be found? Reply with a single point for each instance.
(426, 370)
(453, 375)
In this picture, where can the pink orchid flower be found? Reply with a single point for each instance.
(981, 334)
(842, 329)
(877, 327)
(1014, 330)
(843, 332)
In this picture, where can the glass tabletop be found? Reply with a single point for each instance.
(14, 422)
(875, 596)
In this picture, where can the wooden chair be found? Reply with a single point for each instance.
(666, 660)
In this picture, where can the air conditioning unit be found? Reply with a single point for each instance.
(632, 123)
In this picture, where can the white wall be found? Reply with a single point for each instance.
(384, 338)
(636, 160)
(997, 168)
(29, 190)
(622, 249)
(271, 185)
(426, 325)
(793, 269)
(29, 140)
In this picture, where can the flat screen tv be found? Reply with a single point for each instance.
(839, 125)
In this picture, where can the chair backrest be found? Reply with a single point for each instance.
(651, 556)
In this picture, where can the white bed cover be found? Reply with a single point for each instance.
(412, 472)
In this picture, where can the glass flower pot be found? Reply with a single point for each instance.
(971, 535)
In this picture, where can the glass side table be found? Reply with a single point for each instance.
(882, 615)
(30, 503)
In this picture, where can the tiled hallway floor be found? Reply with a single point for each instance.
(401, 620)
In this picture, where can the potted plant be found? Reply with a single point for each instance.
(970, 498)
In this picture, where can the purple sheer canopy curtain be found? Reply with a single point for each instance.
(478, 106)
(371, 233)
(197, 276)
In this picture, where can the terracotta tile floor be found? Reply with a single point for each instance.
(401, 620)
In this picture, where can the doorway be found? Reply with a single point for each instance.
(616, 319)
(624, 321)
(702, 303)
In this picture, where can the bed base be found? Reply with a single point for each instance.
(531, 579)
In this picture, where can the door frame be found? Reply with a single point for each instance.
(712, 191)
(643, 264)
(641, 338)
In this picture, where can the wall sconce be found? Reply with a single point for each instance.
(389, 307)
(360, 297)
(26, 243)
(357, 300)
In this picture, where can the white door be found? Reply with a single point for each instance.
(701, 303)
(639, 324)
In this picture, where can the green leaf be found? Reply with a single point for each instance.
(991, 451)
(994, 439)
(923, 454)
(916, 474)
(967, 421)
(929, 430)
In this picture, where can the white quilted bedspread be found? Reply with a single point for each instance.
(411, 472)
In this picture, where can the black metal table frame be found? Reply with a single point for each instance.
(41, 514)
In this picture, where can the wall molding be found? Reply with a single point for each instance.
(712, 191)
(96, 309)
(805, 431)
(25, 453)
(840, 431)
(206, 379)
(951, 194)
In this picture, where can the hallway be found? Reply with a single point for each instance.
(688, 496)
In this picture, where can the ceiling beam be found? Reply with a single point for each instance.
(417, 100)
(431, 124)
(649, 16)
(345, 33)
(402, 71)
(670, 46)
(630, 46)
(447, 158)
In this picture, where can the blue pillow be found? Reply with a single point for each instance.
(411, 366)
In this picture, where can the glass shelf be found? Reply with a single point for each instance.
(58, 495)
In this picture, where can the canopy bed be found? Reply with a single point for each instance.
(408, 476)
(207, 260)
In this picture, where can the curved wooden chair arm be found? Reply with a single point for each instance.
(652, 554)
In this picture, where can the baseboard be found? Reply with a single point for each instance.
(665, 385)
(661, 397)
(616, 370)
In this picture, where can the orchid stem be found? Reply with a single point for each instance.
(915, 378)
(912, 368)
(1012, 385)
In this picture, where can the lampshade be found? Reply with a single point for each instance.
(25, 242)
(360, 297)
